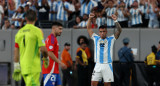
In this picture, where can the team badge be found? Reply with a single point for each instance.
(50, 47)
(43, 41)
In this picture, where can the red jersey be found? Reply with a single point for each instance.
(53, 46)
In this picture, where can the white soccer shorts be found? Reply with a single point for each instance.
(104, 71)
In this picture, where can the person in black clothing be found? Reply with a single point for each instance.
(126, 59)
(82, 66)
(74, 23)
(43, 10)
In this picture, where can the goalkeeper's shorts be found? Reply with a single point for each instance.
(32, 79)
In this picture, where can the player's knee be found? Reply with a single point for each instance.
(107, 84)
(94, 83)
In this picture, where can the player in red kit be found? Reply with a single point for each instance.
(51, 73)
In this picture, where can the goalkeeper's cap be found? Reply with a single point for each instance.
(126, 40)
(67, 44)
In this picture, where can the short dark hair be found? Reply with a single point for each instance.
(154, 49)
(56, 24)
(110, 0)
(31, 15)
(67, 44)
(103, 27)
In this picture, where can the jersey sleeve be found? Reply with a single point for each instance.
(41, 41)
(50, 43)
(94, 36)
(113, 37)
(16, 42)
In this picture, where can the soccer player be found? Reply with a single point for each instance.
(51, 74)
(103, 52)
(28, 41)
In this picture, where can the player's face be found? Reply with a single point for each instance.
(58, 30)
(103, 33)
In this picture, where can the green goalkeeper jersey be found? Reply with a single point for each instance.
(29, 39)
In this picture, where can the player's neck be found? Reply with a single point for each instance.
(30, 22)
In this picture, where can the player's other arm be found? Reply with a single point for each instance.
(118, 26)
(16, 55)
(17, 70)
(51, 54)
(89, 29)
(44, 51)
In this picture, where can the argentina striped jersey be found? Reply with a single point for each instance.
(61, 13)
(109, 12)
(103, 48)
(121, 16)
(100, 21)
(17, 16)
(86, 8)
(53, 7)
(136, 17)
(83, 24)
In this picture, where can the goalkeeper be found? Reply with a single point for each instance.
(29, 42)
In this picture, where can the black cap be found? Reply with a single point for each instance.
(67, 44)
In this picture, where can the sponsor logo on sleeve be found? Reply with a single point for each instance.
(43, 41)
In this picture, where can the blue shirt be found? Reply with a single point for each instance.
(125, 55)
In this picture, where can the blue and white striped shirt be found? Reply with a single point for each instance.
(145, 11)
(100, 21)
(103, 48)
(109, 12)
(136, 17)
(121, 16)
(61, 13)
(19, 15)
(83, 24)
(18, 3)
(86, 8)
(152, 14)
(53, 7)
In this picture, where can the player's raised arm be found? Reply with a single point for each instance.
(118, 26)
(89, 29)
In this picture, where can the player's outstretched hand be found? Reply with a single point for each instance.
(63, 66)
(114, 17)
(46, 62)
(17, 72)
(91, 15)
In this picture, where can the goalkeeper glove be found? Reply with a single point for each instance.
(46, 62)
(17, 72)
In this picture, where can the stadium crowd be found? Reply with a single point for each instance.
(74, 13)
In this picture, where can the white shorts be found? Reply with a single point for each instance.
(104, 71)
